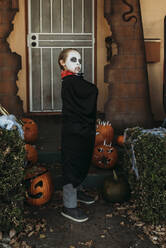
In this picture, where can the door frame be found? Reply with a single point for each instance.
(27, 59)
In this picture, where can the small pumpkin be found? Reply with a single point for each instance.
(104, 131)
(30, 129)
(31, 153)
(116, 189)
(104, 156)
(39, 185)
(120, 140)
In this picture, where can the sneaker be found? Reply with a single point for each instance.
(82, 197)
(75, 214)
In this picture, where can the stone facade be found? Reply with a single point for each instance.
(10, 63)
(128, 102)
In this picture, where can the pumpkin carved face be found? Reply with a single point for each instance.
(30, 130)
(39, 186)
(104, 131)
(104, 156)
(31, 153)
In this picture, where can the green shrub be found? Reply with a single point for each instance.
(148, 159)
(12, 158)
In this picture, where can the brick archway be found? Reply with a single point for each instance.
(10, 63)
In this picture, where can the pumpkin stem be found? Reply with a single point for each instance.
(115, 175)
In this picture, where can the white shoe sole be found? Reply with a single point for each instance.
(71, 218)
(88, 203)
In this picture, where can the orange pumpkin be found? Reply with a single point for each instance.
(31, 153)
(39, 185)
(104, 131)
(120, 140)
(104, 156)
(30, 130)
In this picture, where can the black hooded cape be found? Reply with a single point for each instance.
(79, 104)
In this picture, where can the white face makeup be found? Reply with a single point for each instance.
(73, 62)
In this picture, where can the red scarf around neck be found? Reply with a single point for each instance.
(66, 73)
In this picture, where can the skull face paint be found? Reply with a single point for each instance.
(73, 61)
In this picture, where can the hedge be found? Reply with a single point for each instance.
(12, 158)
(145, 165)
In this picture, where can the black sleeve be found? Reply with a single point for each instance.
(83, 89)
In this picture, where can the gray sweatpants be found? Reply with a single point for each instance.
(70, 196)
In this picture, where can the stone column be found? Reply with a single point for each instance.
(128, 102)
(10, 63)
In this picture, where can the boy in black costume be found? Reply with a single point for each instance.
(79, 103)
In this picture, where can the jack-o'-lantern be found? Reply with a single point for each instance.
(30, 130)
(31, 153)
(116, 189)
(104, 156)
(104, 131)
(120, 140)
(39, 185)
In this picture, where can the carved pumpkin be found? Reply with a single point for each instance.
(30, 130)
(104, 131)
(116, 189)
(120, 140)
(104, 156)
(39, 185)
(31, 153)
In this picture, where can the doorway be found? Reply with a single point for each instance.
(52, 26)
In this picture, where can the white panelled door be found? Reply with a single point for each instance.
(52, 26)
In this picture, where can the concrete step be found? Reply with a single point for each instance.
(52, 160)
(48, 157)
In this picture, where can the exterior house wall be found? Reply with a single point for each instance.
(153, 13)
(18, 44)
(10, 62)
